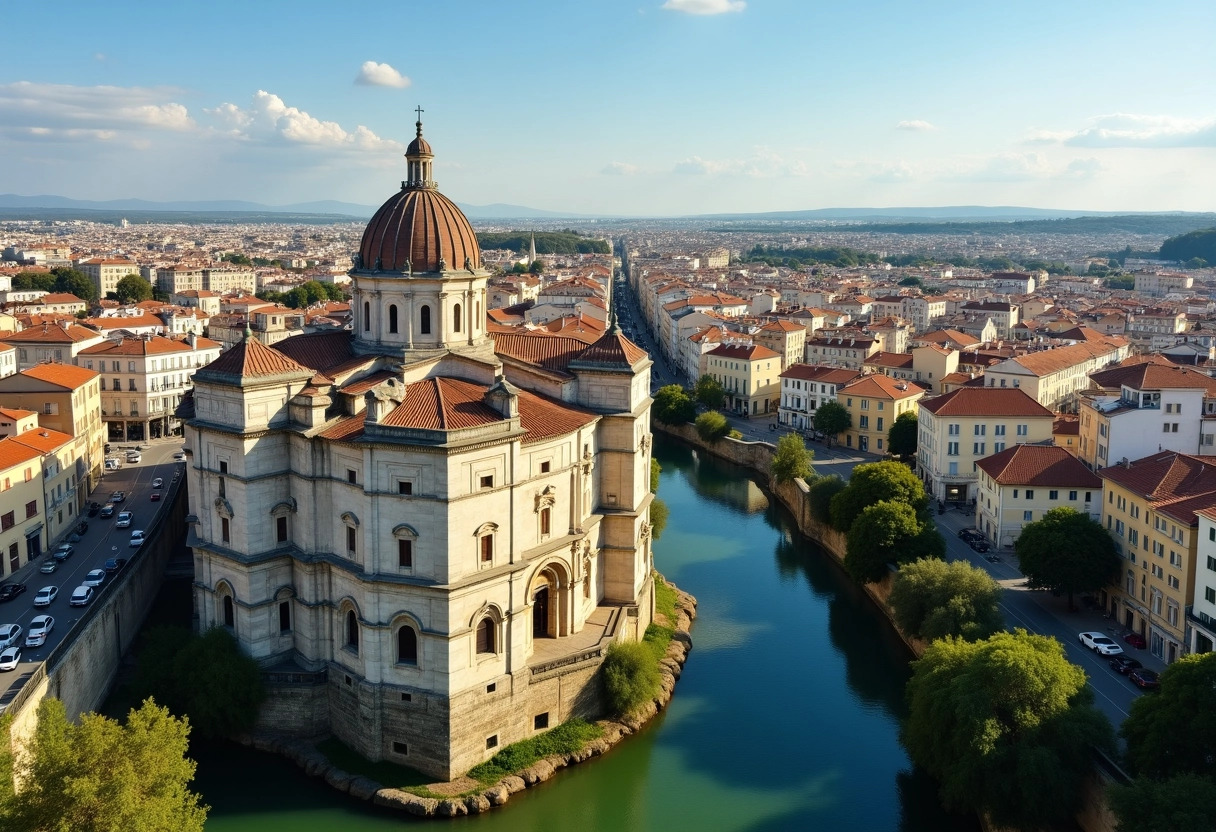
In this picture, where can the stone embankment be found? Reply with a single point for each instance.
(316, 764)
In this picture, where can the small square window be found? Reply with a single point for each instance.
(349, 682)
(407, 697)
(1028, 516)
(405, 487)
(544, 467)
(400, 748)
(490, 688)
(540, 721)
(492, 742)
(487, 481)
(1029, 493)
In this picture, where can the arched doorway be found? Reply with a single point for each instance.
(540, 613)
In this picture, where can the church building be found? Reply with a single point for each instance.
(427, 537)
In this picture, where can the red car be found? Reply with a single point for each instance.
(1145, 679)
(155, 497)
(1136, 640)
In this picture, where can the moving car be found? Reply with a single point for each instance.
(10, 591)
(1136, 640)
(62, 552)
(1100, 644)
(124, 520)
(114, 565)
(137, 538)
(10, 634)
(45, 596)
(1124, 664)
(94, 507)
(107, 510)
(968, 535)
(96, 577)
(10, 658)
(82, 527)
(158, 483)
(81, 596)
(40, 628)
(48, 566)
(118, 497)
(1145, 679)
(155, 497)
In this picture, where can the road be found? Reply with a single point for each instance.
(103, 540)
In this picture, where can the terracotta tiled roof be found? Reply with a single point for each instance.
(890, 359)
(1175, 484)
(1066, 425)
(985, 401)
(321, 351)
(16, 413)
(1046, 362)
(357, 388)
(551, 352)
(250, 359)
(744, 352)
(782, 326)
(52, 333)
(1039, 465)
(817, 372)
(124, 322)
(422, 226)
(1151, 375)
(60, 297)
(155, 345)
(64, 375)
(43, 440)
(613, 350)
(13, 453)
(944, 336)
(878, 386)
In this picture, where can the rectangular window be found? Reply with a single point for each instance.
(284, 616)
(952, 449)
(1027, 516)
(1022, 430)
(979, 430)
(544, 521)
(544, 467)
(351, 477)
(954, 430)
(487, 548)
(401, 748)
(7, 521)
(405, 554)
(223, 466)
(999, 430)
(1165, 428)
(351, 540)
(405, 487)
(280, 529)
(487, 481)
(225, 530)
(978, 448)
(998, 446)
(1211, 563)
(865, 423)
(1029, 493)
(492, 742)
(1053, 494)
(1209, 595)
(31, 509)
(540, 721)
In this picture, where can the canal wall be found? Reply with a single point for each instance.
(757, 457)
(81, 669)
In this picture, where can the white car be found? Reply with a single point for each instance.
(95, 578)
(10, 658)
(124, 520)
(180, 456)
(1100, 644)
(158, 483)
(133, 457)
(81, 596)
(10, 634)
(137, 538)
(45, 596)
(40, 628)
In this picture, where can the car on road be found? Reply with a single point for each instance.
(96, 577)
(1136, 640)
(10, 634)
(134, 456)
(62, 552)
(980, 545)
(10, 658)
(137, 538)
(107, 510)
(45, 596)
(1124, 664)
(1145, 679)
(114, 565)
(81, 596)
(40, 628)
(118, 497)
(124, 520)
(10, 591)
(82, 527)
(180, 456)
(155, 497)
(1100, 644)
(113, 465)
(968, 535)
(48, 566)
(94, 507)
(158, 483)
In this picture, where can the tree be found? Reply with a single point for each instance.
(237, 258)
(1179, 804)
(536, 267)
(831, 419)
(876, 481)
(658, 517)
(911, 280)
(932, 599)
(672, 406)
(901, 438)
(100, 775)
(712, 426)
(709, 392)
(34, 282)
(1006, 726)
(882, 534)
(820, 495)
(75, 283)
(1068, 552)
(630, 676)
(1174, 732)
(133, 289)
(655, 470)
(791, 459)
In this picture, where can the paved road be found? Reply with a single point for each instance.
(103, 540)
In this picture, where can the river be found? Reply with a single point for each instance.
(787, 715)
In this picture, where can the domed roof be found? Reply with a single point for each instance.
(418, 147)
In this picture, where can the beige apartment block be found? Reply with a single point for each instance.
(106, 272)
(22, 526)
(874, 403)
(804, 387)
(50, 342)
(1020, 484)
(785, 338)
(1201, 618)
(63, 478)
(750, 374)
(1054, 377)
(67, 399)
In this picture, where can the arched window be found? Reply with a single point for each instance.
(456, 318)
(485, 636)
(352, 631)
(229, 612)
(392, 317)
(407, 645)
(424, 320)
(367, 316)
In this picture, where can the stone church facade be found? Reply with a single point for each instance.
(426, 537)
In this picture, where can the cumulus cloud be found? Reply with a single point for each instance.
(762, 163)
(619, 169)
(372, 74)
(269, 118)
(1131, 130)
(916, 125)
(69, 111)
(705, 7)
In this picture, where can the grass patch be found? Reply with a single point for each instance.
(386, 773)
(564, 739)
(664, 598)
(658, 635)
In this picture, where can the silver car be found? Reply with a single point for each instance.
(10, 658)
(40, 628)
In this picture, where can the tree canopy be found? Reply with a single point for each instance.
(1174, 732)
(132, 289)
(791, 459)
(876, 481)
(902, 436)
(672, 406)
(932, 599)
(547, 242)
(100, 776)
(709, 392)
(820, 494)
(1068, 552)
(712, 426)
(1200, 243)
(1179, 804)
(59, 279)
(831, 418)
(1005, 725)
(881, 535)
(304, 295)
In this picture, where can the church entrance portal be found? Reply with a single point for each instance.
(540, 613)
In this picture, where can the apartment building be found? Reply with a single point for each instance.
(959, 428)
(1003, 315)
(22, 528)
(1018, 485)
(874, 403)
(804, 387)
(785, 338)
(47, 342)
(1160, 285)
(62, 497)
(106, 272)
(1054, 377)
(67, 399)
(750, 373)
(849, 352)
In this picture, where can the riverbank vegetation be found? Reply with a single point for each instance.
(933, 599)
(712, 426)
(791, 460)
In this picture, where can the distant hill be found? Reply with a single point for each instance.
(945, 212)
(1200, 243)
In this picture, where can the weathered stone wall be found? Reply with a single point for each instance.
(297, 710)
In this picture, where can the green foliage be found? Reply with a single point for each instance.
(664, 598)
(630, 674)
(1200, 243)
(832, 418)
(237, 258)
(873, 482)
(709, 392)
(547, 242)
(658, 517)
(932, 599)
(655, 470)
(820, 495)
(34, 282)
(1180, 804)
(6, 769)
(712, 426)
(672, 406)
(132, 289)
(911, 280)
(1174, 731)
(841, 256)
(566, 738)
(881, 535)
(74, 282)
(536, 267)
(901, 438)
(1068, 552)
(100, 776)
(791, 459)
(1196, 263)
(387, 773)
(1122, 282)
(1005, 725)
(205, 677)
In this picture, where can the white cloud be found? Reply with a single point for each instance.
(1084, 168)
(619, 169)
(915, 125)
(372, 74)
(67, 110)
(763, 163)
(705, 7)
(1130, 130)
(269, 118)
(696, 166)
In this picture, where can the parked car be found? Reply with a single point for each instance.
(1145, 679)
(118, 497)
(62, 552)
(114, 565)
(94, 507)
(155, 497)
(40, 628)
(10, 658)
(45, 596)
(1124, 664)
(10, 634)
(1100, 644)
(10, 591)
(113, 464)
(81, 596)
(158, 483)
(137, 538)
(48, 566)
(180, 456)
(124, 520)
(979, 545)
(96, 577)
(968, 535)
(1136, 640)
(134, 456)
(107, 510)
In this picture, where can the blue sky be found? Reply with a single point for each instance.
(658, 107)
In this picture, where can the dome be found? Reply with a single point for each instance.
(422, 226)
(419, 147)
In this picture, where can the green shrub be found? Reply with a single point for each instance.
(820, 496)
(630, 675)
(712, 426)
(566, 738)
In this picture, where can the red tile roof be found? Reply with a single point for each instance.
(817, 372)
(613, 350)
(13, 453)
(323, 351)
(52, 333)
(67, 376)
(1039, 465)
(1151, 375)
(902, 360)
(551, 352)
(43, 440)
(250, 359)
(1175, 484)
(985, 401)
(878, 386)
(743, 352)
